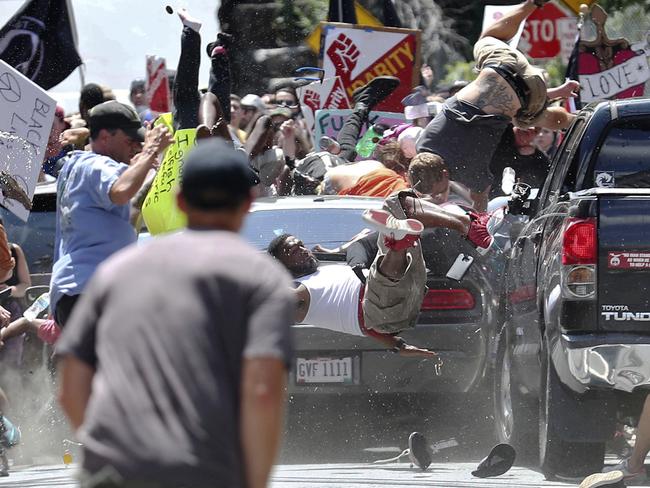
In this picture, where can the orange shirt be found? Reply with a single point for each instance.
(378, 183)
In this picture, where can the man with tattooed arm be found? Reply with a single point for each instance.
(507, 90)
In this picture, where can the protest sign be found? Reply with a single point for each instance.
(357, 54)
(548, 32)
(26, 116)
(329, 122)
(159, 211)
(610, 68)
(158, 96)
(330, 94)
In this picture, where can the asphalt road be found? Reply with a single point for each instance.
(448, 475)
(333, 443)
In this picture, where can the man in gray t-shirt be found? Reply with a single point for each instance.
(174, 362)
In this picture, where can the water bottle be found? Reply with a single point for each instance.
(367, 143)
(507, 180)
(40, 304)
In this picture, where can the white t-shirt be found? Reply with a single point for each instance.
(334, 299)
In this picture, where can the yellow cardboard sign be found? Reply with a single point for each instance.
(575, 4)
(159, 211)
(363, 18)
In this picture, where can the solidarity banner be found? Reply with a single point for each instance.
(159, 211)
(358, 54)
(329, 122)
(26, 116)
(330, 94)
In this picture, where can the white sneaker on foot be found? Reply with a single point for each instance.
(389, 226)
(188, 20)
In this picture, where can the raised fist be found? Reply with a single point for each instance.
(312, 100)
(344, 55)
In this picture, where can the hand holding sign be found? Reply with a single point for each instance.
(156, 140)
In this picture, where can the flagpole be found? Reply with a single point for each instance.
(75, 37)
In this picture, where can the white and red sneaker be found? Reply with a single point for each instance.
(398, 233)
(478, 233)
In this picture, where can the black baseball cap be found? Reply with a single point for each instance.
(116, 115)
(215, 176)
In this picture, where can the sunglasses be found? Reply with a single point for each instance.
(286, 104)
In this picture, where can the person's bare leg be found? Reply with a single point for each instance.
(480, 200)
(432, 215)
(393, 264)
(506, 27)
(209, 110)
(642, 444)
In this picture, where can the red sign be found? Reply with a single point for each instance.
(358, 54)
(546, 30)
(628, 260)
(158, 95)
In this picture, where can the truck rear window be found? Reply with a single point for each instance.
(623, 160)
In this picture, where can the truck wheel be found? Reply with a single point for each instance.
(559, 457)
(516, 417)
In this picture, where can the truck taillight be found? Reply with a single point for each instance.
(579, 257)
(450, 299)
(579, 242)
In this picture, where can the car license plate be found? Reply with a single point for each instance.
(324, 370)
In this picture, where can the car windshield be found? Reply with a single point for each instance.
(329, 227)
(623, 159)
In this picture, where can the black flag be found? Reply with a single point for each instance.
(38, 41)
(391, 18)
(572, 70)
(342, 11)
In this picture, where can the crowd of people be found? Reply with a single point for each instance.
(173, 355)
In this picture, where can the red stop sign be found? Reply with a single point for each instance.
(544, 30)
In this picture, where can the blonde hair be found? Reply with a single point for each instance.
(425, 170)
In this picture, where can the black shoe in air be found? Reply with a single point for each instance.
(419, 451)
(499, 461)
(375, 91)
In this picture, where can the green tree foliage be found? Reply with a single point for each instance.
(615, 5)
(297, 18)
(459, 70)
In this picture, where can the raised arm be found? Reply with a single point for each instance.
(568, 89)
(129, 182)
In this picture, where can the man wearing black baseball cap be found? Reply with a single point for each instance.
(191, 333)
(93, 195)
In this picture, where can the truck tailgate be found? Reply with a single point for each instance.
(624, 262)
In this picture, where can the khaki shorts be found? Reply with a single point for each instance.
(392, 306)
(490, 50)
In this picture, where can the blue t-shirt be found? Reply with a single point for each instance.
(89, 227)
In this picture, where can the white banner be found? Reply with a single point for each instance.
(606, 84)
(26, 116)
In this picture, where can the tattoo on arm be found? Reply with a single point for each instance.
(494, 94)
